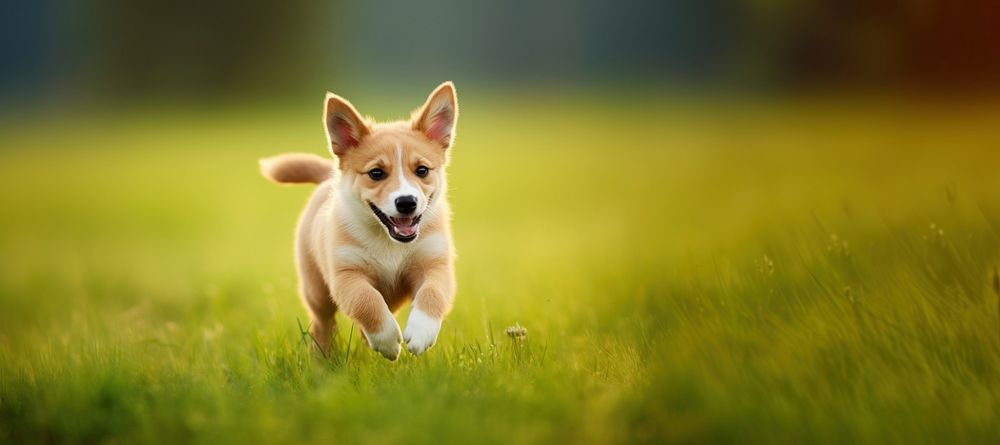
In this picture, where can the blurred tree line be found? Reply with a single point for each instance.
(211, 48)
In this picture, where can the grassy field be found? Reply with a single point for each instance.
(800, 272)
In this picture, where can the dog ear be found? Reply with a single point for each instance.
(344, 126)
(437, 118)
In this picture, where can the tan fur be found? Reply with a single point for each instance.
(296, 168)
(346, 259)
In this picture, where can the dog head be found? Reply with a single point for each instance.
(396, 170)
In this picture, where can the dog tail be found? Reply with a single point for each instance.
(296, 168)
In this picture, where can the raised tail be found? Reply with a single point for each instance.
(296, 168)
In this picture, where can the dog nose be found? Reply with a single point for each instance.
(406, 204)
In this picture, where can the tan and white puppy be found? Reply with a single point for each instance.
(376, 233)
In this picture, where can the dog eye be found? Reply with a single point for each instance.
(422, 171)
(376, 174)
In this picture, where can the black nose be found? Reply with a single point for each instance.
(406, 204)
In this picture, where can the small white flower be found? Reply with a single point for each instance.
(516, 332)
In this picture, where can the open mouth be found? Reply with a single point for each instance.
(401, 228)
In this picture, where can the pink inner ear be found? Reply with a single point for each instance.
(440, 127)
(344, 131)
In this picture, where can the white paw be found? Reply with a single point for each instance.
(386, 340)
(421, 331)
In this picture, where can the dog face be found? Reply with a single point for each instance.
(397, 169)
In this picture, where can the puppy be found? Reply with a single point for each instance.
(376, 233)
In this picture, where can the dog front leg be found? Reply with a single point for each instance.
(431, 303)
(360, 301)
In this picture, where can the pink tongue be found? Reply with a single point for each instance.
(406, 230)
(404, 226)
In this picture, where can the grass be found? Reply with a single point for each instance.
(736, 272)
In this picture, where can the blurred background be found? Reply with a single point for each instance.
(719, 221)
(209, 51)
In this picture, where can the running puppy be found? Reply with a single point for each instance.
(376, 232)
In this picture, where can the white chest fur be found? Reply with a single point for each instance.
(388, 257)
(371, 247)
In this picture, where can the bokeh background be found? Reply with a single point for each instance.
(718, 221)
(109, 50)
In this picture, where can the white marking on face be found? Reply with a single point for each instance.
(421, 331)
(356, 212)
(405, 187)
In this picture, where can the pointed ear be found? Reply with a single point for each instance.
(344, 126)
(437, 118)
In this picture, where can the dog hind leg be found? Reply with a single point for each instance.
(316, 297)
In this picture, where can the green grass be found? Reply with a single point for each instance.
(727, 273)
